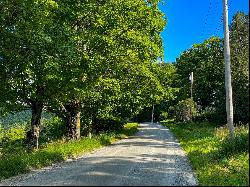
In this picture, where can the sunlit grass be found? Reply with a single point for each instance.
(217, 160)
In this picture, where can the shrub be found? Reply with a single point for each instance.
(52, 129)
(14, 133)
(184, 110)
(163, 116)
(130, 129)
(13, 139)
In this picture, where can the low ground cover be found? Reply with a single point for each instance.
(217, 160)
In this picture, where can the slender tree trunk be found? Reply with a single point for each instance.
(35, 124)
(73, 120)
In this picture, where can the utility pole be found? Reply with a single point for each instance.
(191, 78)
(152, 117)
(228, 86)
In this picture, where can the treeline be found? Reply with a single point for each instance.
(89, 62)
(206, 61)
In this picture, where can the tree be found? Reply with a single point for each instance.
(206, 61)
(73, 57)
(239, 44)
(164, 74)
(28, 49)
(114, 49)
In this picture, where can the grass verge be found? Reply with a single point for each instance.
(217, 160)
(20, 161)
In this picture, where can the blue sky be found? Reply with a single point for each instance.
(193, 21)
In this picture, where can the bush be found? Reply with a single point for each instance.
(13, 139)
(52, 129)
(163, 116)
(185, 110)
(14, 133)
(130, 129)
(1, 132)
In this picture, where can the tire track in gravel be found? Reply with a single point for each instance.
(152, 157)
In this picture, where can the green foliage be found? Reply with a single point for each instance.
(13, 134)
(185, 110)
(92, 57)
(22, 118)
(1, 132)
(210, 114)
(13, 139)
(166, 74)
(239, 46)
(216, 161)
(107, 125)
(130, 129)
(52, 129)
(164, 116)
(206, 61)
(12, 119)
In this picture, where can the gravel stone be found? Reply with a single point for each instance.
(152, 157)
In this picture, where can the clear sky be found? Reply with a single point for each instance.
(193, 21)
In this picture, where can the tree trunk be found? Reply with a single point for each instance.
(73, 120)
(35, 124)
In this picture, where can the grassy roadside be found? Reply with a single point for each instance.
(216, 160)
(19, 161)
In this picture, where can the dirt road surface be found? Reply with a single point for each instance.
(152, 157)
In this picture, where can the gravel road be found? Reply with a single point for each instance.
(152, 157)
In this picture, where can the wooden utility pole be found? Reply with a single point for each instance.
(228, 85)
